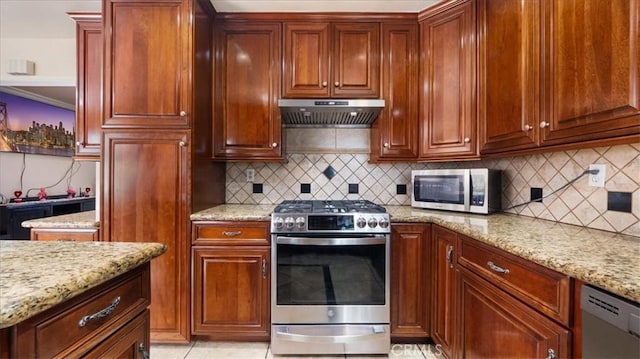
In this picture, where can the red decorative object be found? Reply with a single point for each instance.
(87, 191)
(42, 195)
(18, 193)
(71, 192)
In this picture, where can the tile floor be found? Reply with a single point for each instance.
(224, 350)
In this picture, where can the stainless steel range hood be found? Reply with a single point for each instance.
(329, 112)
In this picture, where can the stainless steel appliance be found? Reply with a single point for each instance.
(330, 112)
(476, 190)
(330, 278)
(610, 325)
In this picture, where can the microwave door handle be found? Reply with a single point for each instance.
(468, 190)
(315, 241)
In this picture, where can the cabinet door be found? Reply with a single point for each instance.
(129, 342)
(395, 134)
(448, 110)
(231, 292)
(593, 69)
(487, 313)
(145, 181)
(147, 66)
(246, 115)
(509, 74)
(306, 60)
(356, 60)
(88, 85)
(444, 314)
(410, 280)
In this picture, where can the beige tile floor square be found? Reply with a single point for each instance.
(256, 350)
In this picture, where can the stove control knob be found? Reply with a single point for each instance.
(289, 222)
(373, 223)
(300, 222)
(383, 223)
(361, 222)
(279, 222)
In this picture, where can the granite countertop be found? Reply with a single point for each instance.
(235, 212)
(605, 259)
(37, 275)
(76, 220)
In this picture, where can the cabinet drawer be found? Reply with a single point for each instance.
(64, 332)
(541, 288)
(235, 233)
(51, 234)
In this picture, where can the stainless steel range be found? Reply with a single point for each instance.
(330, 278)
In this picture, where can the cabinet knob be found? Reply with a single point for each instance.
(528, 127)
(182, 143)
(324, 83)
(544, 124)
(336, 84)
(467, 140)
(79, 144)
(385, 145)
(183, 113)
(274, 145)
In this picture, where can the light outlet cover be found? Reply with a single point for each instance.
(251, 175)
(597, 180)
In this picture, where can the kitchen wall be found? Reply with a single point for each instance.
(43, 171)
(310, 152)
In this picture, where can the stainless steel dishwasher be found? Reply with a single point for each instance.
(610, 325)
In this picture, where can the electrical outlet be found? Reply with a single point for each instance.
(597, 180)
(251, 175)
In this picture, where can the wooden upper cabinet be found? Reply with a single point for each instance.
(509, 74)
(246, 123)
(592, 69)
(146, 82)
(448, 76)
(331, 60)
(394, 136)
(88, 85)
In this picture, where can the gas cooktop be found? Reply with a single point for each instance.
(358, 216)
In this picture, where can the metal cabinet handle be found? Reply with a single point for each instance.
(528, 127)
(495, 268)
(336, 84)
(143, 351)
(79, 143)
(65, 240)
(264, 268)
(183, 113)
(274, 145)
(101, 314)
(385, 145)
(182, 143)
(467, 140)
(544, 124)
(450, 256)
(324, 83)
(231, 234)
(551, 354)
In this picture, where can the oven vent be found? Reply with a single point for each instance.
(329, 113)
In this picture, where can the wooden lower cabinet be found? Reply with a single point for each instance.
(58, 332)
(410, 280)
(493, 324)
(231, 282)
(444, 314)
(64, 234)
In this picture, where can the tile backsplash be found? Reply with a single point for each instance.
(578, 204)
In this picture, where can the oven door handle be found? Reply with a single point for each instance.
(317, 241)
(284, 333)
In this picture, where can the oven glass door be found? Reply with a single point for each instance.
(331, 271)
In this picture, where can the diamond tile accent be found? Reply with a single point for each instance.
(578, 204)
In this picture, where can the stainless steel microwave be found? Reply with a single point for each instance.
(476, 190)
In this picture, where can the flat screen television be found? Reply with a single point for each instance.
(34, 127)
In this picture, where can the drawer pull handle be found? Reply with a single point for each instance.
(65, 240)
(101, 314)
(551, 354)
(264, 268)
(143, 351)
(450, 256)
(495, 268)
(231, 234)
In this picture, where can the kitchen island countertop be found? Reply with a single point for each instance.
(78, 220)
(605, 259)
(37, 275)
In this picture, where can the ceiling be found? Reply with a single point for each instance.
(49, 19)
